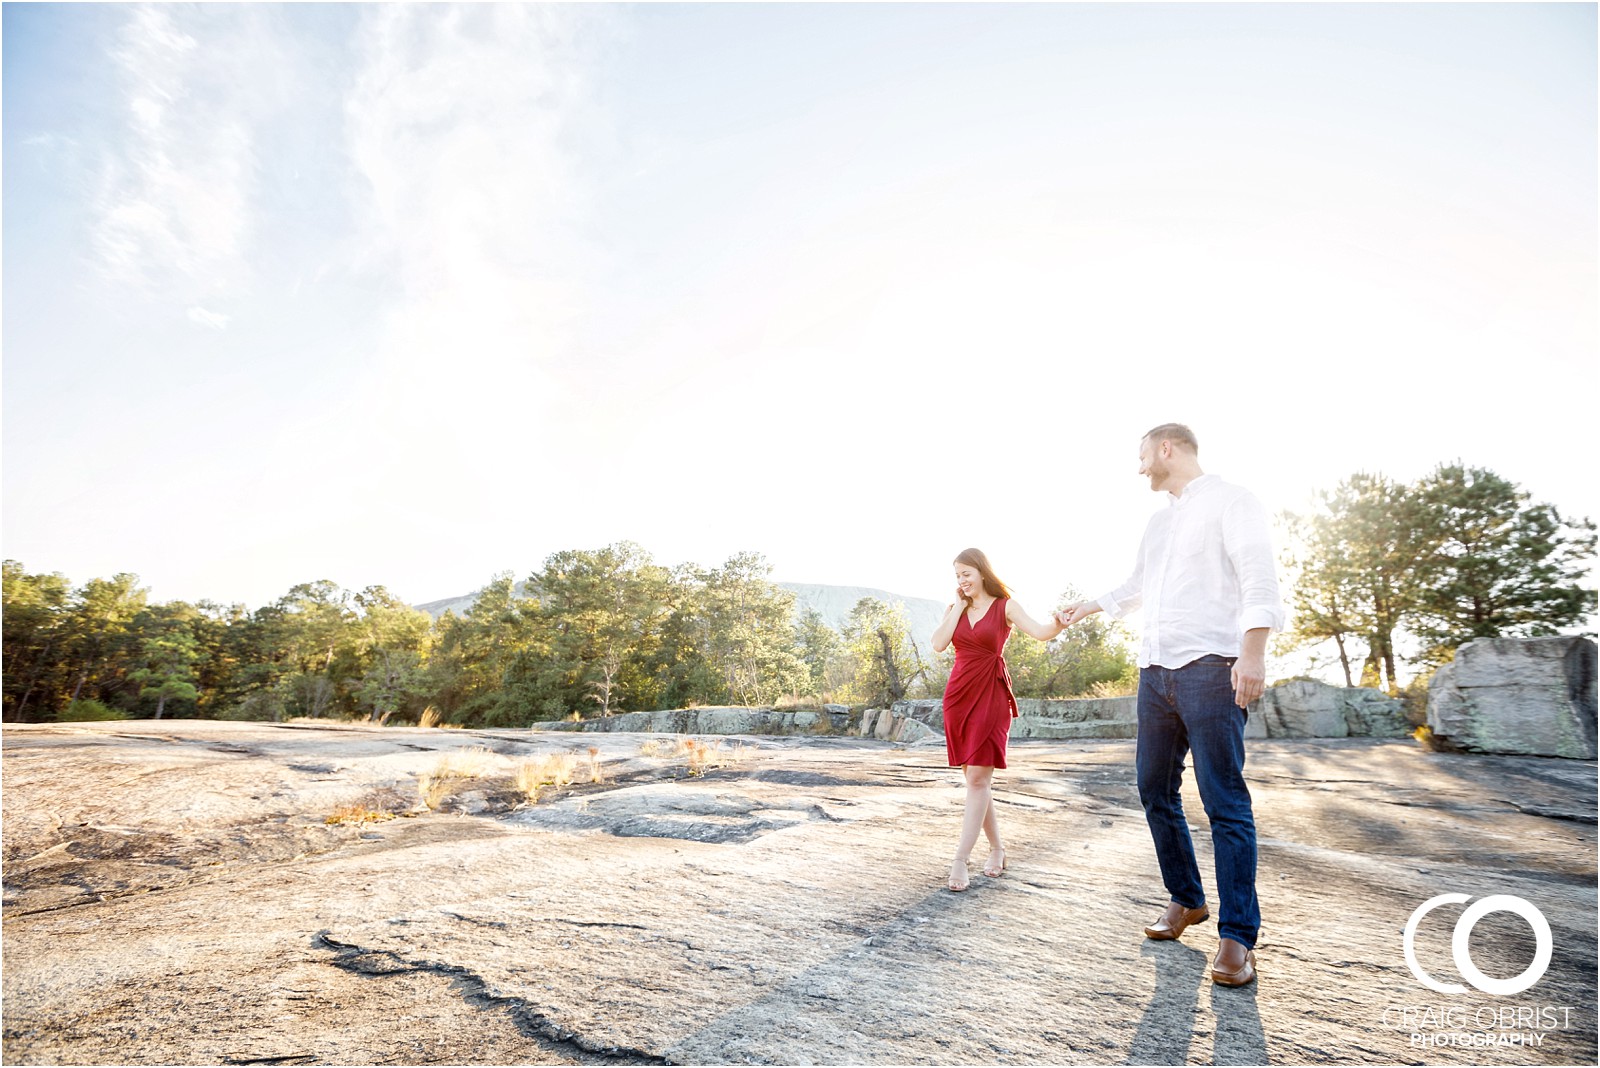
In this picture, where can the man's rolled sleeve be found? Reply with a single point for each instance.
(1118, 608)
(1248, 542)
(1258, 617)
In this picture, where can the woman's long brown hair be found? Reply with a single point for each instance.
(991, 582)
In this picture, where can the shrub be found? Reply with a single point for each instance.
(86, 711)
(1414, 698)
(260, 705)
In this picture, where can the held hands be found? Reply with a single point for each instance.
(1249, 679)
(1076, 613)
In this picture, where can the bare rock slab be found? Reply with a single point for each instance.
(174, 894)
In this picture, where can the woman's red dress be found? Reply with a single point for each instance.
(978, 702)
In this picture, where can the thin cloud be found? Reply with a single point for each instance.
(173, 218)
(465, 127)
(215, 320)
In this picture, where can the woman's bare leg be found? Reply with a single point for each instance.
(997, 849)
(978, 814)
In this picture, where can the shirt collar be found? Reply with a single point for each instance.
(1198, 486)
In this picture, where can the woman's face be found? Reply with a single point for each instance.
(968, 581)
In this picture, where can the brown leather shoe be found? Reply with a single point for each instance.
(1235, 965)
(1174, 920)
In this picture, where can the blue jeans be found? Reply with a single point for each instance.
(1191, 710)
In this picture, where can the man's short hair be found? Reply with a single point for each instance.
(1175, 432)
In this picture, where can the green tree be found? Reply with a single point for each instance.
(747, 631)
(683, 674)
(393, 641)
(310, 622)
(220, 674)
(35, 611)
(1497, 563)
(820, 649)
(487, 666)
(168, 671)
(877, 638)
(1093, 652)
(1326, 591)
(102, 646)
(1358, 568)
(603, 610)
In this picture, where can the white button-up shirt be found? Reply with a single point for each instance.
(1205, 575)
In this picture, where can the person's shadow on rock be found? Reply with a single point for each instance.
(1239, 1038)
(1167, 1027)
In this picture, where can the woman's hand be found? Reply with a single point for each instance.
(947, 626)
(1076, 613)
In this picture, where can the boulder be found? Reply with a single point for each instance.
(896, 725)
(1306, 708)
(928, 712)
(1533, 696)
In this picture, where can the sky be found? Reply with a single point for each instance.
(412, 295)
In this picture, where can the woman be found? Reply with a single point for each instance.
(978, 703)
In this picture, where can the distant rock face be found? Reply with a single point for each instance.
(1113, 717)
(1083, 717)
(735, 720)
(1305, 708)
(1533, 696)
(1299, 709)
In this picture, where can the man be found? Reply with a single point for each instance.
(1206, 581)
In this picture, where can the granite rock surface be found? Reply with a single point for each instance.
(175, 894)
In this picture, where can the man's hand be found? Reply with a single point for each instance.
(1075, 613)
(1249, 679)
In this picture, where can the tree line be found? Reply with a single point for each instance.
(1461, 553)
(592, 632)
(1376, 566)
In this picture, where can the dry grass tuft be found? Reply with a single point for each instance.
(698, 755)
(432, 790)
(356, 812)
(431, 717)
(474, 762)
(703, 758)
(371, 807)
(550, 769)
(594, 763)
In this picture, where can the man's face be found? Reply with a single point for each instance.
(1153, 465)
